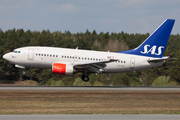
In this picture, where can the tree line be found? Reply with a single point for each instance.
(166, 75)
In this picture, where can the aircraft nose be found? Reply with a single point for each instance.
(5, 56)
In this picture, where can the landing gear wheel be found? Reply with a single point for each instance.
(85, 78)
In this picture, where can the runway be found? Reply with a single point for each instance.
(118, 101)
(35, 88)
(90, 117)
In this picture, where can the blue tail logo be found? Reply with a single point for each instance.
(152, 50)
(155, 44)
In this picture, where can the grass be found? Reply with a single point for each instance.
(89, 102)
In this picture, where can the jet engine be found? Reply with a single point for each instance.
(60, 68)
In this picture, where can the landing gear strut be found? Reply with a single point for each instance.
(84, 77)
(24, 71)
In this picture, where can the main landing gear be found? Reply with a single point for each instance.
(84, 77)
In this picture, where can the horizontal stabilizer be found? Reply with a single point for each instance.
(160, 59)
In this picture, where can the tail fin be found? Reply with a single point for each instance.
(155, 44)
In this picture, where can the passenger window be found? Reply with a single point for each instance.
(70, 57)
(50, 55)
(79, 58)
(36, 54)
(124, 61)
(44, 54)
(15, 51)
(121, 61)
(62, 56)
(67, 56)
(47, 54)
(88, 58)
(94, 59)
(85, 58)
(39, 54)
(56, 55)
(19, 51)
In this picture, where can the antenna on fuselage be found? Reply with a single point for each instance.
(77, 48)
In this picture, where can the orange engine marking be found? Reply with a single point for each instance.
(59, 68)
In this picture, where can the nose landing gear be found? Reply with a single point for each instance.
(24, 71)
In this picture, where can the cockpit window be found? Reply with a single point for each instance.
(16, 51)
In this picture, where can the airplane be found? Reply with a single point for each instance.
(67, 61)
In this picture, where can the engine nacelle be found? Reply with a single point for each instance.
(60, 68)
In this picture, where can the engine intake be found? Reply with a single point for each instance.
(60, 68)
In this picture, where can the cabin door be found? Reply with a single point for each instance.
(132, 63)
(30, 54)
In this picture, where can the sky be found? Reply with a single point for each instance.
(129, 16)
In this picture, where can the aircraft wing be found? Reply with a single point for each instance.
(97, 66)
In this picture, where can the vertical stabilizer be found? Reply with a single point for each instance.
(155, 44)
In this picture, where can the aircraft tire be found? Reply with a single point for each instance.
(85, 78)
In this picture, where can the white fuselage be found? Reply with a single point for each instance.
(44, 57)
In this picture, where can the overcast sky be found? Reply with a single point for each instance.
(130, 16)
